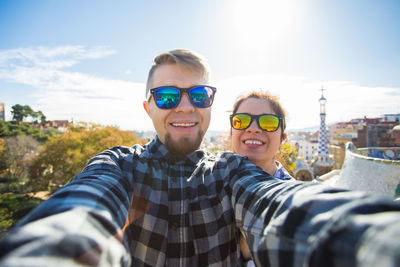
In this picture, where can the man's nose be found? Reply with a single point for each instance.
(185, 105)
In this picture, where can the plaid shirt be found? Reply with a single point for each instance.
(144, 207)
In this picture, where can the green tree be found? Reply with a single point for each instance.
(4, 131)
(3, 165)
(12, 128)
(20, 112)
(65, 155)
(28, 111)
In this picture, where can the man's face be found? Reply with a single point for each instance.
(182, 128)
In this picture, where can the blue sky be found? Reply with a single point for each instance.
(88, 60)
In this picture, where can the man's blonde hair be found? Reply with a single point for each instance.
(182, 57)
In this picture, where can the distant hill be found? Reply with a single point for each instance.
(211, 133)
(311, 129)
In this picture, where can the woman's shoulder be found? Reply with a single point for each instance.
(282, 174)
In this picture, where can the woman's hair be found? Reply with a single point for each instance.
(271, 99)
(182, 57)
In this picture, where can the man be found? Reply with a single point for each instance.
(170, 203)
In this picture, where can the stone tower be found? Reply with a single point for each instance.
(324, 163)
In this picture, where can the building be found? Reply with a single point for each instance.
(2, 112)
(337, 153)
(375, 133)
(366, 132)
(396, 135)
(343, 132)
(302, 172)
(306, 144)
(391, 117)
(306, 149)
(60, 125)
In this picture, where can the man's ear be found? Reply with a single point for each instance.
(146, 107)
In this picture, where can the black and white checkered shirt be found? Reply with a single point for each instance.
(144, 207)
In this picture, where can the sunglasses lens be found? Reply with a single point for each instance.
(240, 121)
(202, 96)
(269, 123)
(167, 97)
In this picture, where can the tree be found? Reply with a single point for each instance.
(287, 156)
(65, 155)
(20, 112)
(11, 128)
(4, 131)
(17, 153)
(3, 165)
(38, 115)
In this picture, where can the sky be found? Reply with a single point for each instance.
(88, 60)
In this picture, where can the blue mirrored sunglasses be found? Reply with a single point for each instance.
(168, 97)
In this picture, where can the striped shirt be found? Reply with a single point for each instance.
(282, 174)
(145, 207)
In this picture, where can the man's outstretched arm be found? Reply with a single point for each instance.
(81, 224)
(309, 224)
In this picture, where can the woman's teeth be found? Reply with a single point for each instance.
(253, 142)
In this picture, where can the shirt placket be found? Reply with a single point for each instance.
(182, 217)
(176, 204)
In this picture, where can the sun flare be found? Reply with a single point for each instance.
(259, 22)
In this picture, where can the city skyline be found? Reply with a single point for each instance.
(88, 61)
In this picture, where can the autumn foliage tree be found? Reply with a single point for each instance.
(287, 156)
(65, 155)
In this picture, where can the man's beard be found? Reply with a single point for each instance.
(184, 145)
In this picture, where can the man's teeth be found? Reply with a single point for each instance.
(253, 142)
(184, 124)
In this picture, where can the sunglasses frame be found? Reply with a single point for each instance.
(257, 118)
(181, 91)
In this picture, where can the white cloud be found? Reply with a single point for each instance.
(63, 94)
(49, 57)
(299, 96)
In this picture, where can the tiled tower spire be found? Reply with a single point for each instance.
(323, 150)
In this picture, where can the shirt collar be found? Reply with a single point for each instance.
(156, 150)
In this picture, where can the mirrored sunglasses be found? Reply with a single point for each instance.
(266, 122)
(168, 97)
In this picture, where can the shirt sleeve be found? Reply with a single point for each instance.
(81, 223)
(310, 224)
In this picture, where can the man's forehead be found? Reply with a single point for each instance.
(177, 75)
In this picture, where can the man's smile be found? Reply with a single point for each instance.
(183, 124)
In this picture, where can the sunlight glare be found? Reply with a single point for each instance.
(261, 22)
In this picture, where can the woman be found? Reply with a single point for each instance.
(257, 131)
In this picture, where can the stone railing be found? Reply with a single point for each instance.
(375, 170)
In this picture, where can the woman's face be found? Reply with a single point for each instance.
(260, 146)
